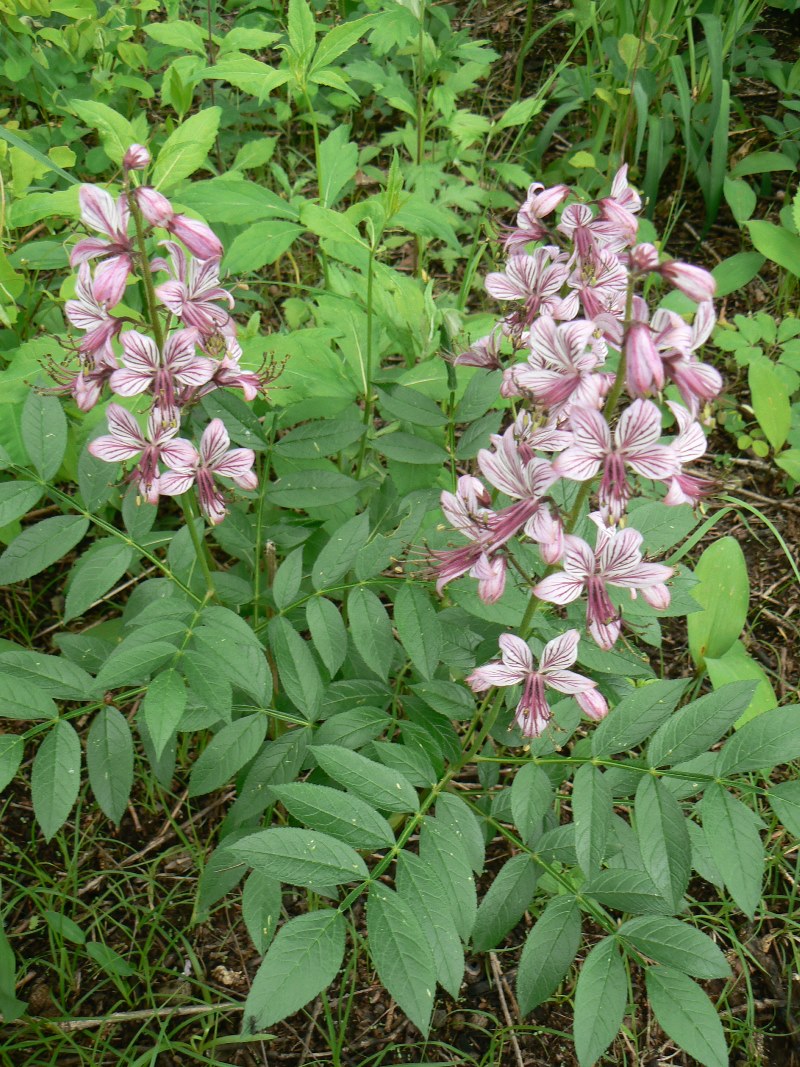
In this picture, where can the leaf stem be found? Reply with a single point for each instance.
(200, 548)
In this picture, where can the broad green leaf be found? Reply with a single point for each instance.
(531, 799)
(352, 729)
(636, 717)
(627, 890)
(56, 777)
(330, 225)
(17, 498)
(776, 243)
(762, 163)
(43, 426)
(784, 800)
(386, 789)
(457, 817)
(723, 591)
(694, 728)
(296, 667)
(116, 132)
(303, 960)
(447, 856)
(186, 148)
(129, 664)
(98, 569)
(685, 1014)
(402, 954)
(601, 993)
(771, 402)
(12, 749)
(237, 202)
(676, 944)
(371, 631)
(302, 30)
(163, 707)
(519, 113)
(418, 628)
(661, 526)
(789, 461)
(340, 553)
(39, 546)
(419, 886)
(323, 438)
(261, 908)
(288, 577)
(237, 650)
(227, 752)
(734, 273)
(55, 675)
(109, 761)
(260, 244)
(327, 631)
(738, 665)
(765, 742)
(300, 857)
(338, 159)
(23, 699)
(663, 839)
(178, 34)
(549, 950)
(741, 199)
(507, 900)
(406, 448)
(312, 489)
(250, 75)
(342, 815)
(731, 830)
(339, 39)
(592, 810)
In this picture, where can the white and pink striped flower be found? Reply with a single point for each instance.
(193, 290)
(517, 666)
(89, 314)
(215, 459)
(145, 369)
(99, 211)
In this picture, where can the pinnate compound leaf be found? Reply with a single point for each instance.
(663, 839)
(696, 727)
(327, 631)
(186, 148)
(421, 888)
(592, 809)
(549, 950)
(300, 857)
(133, 663)
(339, 814)
(402, 954)
(94, 574)
(685, 1014)
(731, 831)
(766, 741)
(418, 628)
(261, 908)
(507, 900)
(723, 591)
(636, 717)
(109, 761)
(628, 890)
(163, 707)
(371, 631)
(56, 777)
(39, 546)
(387, 789)
(676, 944)
(303, 960)
(227, 752)
(601, 993)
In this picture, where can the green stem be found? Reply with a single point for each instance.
(146, 275)
(190, 517)
(523, 51)
(368, 398)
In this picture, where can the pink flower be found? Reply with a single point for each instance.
(644, 369)
(147, 370)
(99, 211)
(561, 367)
(524, 479)
(467, 511)
(539, 203)
(536, 280)
(643, 258)
(617, 560)
(214, 458)
(85, 385)
(154, 206)
(126, 441)
(88, 314)
(602, 285)
(696, 381)
(198, 238)
(192, 291)
(689, 445)
(136, 158)
(635, 446)
(516, 666)
(482, 353)
(696, 283)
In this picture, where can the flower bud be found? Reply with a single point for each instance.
(698, 284)
(136, 158)
(593, 704)
(153, 205)
(644, 258)
(198, 238)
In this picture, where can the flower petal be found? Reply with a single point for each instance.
(559, 653)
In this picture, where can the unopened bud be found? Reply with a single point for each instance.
(153, 205)
(698, 284)
(198, 238)
(136, 158)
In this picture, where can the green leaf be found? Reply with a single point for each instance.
(56, 777)
(129, 664)
(696, 727)
(685, 1014)
(419, 886)
(735, 272)
(762, 163)
(234, 201)
(338, 158)
(17, 142)
(418, 628)
(250, 75)
(330, 225)
(261, 908)
(723, 591)
(340, 553)
(12, 749)
(771, 403)
(737, 665)
(296, 667)
(116, 132)
(531, 799)
(371, 631)
(302, 961)
(17, 498)
(109, 960)
(109, 761)
(178, 34)
(323, 438)
(227, 752)
(339, 814)
(260, 244)
(446, 855)
(663, 839)
(22, 699)
(186, 148)
(548, 952)
(339, 39)
(520, 113)
(789, 461)
(741, 199)
(300, 857)
(312, 489)
(784, 800)
(636, 717)
(601, 993)
(39, 546)
(98, 569)
(406, 448)
(163, 707)
(771, 739)
(627, 890)
(52, 674)
(592, 809)
(328, 632)
(509, 897)
(288, 577)
(378, 785)
(43, 426)
(302, 30)
(776, 243)
(455, 814)
(731, 831)
(676, 944)
(402, 954)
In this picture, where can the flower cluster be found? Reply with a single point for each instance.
(581, 339)
(183, 347)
